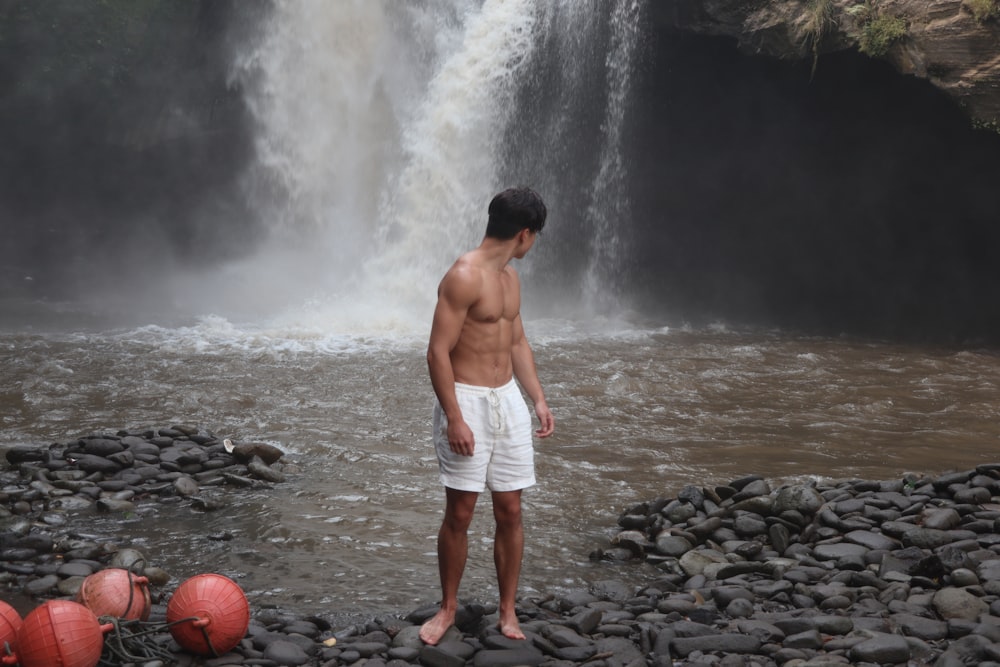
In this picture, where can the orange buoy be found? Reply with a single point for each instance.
(10, 623)
(60, 633)
(116, 592)
(208, 614)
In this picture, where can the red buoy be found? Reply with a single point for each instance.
(116, 592)
(208, 614)
(10, 623)
(60, 633)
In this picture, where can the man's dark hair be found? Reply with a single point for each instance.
(515, 209)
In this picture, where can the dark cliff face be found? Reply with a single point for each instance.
(122, 136)
(849, 200)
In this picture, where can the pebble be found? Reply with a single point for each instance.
(751, 572)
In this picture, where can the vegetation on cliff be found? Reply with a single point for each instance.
(879, 32)
(983, 10)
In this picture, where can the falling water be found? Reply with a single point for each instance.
(384, 129)
(609, 204)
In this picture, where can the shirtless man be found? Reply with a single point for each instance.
(482, 427)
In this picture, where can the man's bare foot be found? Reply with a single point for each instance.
(432, 631)
(509, 627)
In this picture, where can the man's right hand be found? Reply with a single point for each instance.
(546, 420)
(460, 438)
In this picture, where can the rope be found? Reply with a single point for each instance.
(132, 641)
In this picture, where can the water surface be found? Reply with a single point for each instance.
(640, 412)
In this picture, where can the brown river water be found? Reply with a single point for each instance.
(640, 412)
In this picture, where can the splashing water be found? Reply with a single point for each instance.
(384, 131)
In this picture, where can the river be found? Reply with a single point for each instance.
(641, 411)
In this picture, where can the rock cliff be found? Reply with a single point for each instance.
(953, 44)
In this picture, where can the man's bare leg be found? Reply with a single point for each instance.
(508, 549)
(453, 549)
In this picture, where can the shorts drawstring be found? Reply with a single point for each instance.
(494, 399)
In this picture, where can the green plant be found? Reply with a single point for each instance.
(988, 125)
(880, 33)
(983, 10)
(819, 20)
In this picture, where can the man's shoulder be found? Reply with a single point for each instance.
(463, 281)
(465, 269)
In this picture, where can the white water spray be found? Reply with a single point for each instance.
(609, 206)
(382, 130)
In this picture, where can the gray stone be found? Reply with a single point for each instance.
(286, 653)
(989, 570)
(76, 569)
(623, 650)
(942, 519)
(695, 561)
(725, 643)
(260, 470)
(740, 608)
(433, 656)
(244, 452)
(810, 639)
(612, 589)
(102, 446)
(872, 540)
(91, 463)
(691, 494)
(586, 621)
(575, 653)
(803, 499)
(762, 630)
(927, 538)
(185, 486)
(964, 577)
(672, 545)
(972, 496)
(112, 505)
(41, 585)
(838, 551)
(958, 603)
(368, 649)
(919, 626)
(563, 637)
(404, 653)
(882, 649)
(833, 624)
(723, 595)
(749, 525)
(678, 513)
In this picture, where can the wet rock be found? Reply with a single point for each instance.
(244, 452)
(952, 603)
(261, 470)
(871, 572)
(882, 649)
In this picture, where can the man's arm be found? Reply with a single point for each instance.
(524, 370)
(456, 294)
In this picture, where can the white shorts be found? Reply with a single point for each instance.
(504, 457)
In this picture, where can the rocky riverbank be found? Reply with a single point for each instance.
(896, 572)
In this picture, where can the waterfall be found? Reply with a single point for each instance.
(384, 128)
(609, 205)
